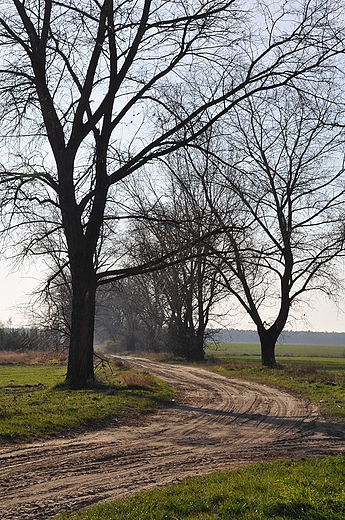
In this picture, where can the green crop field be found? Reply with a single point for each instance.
(221, 350)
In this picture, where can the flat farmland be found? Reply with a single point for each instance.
(220, 350)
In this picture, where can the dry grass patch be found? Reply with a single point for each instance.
(135, 380)
(31, 357)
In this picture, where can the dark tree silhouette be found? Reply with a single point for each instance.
(286, 180)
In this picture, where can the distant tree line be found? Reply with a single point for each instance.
(22, 339)
(287, 337)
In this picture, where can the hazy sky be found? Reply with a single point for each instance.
(16, 286)
(320, 315)
(15, 289)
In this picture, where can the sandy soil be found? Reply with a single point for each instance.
(217, 423)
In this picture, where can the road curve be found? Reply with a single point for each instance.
(217, 423)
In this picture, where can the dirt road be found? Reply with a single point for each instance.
(218, 423)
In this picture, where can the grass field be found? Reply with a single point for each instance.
(220, 350)
(35, 403)
(312, 489)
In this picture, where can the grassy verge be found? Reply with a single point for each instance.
(312, 489)
(321, 380)
(35, 403)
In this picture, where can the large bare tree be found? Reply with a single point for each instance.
(82, 81)
(286, 171)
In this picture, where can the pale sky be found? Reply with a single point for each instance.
(320, 315)
(16, 286)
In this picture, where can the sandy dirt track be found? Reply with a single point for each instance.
(217, 423)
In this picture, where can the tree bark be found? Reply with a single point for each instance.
(268, 339)
(198, 351)
(80, 361)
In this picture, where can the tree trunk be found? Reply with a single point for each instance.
(80, 361)
(268, 339)
(197, 352)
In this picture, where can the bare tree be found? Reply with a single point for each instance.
(81, 82)
(178, 224)
(51, 305)
(287, 174)
(130, 314)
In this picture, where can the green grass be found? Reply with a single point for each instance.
(35, 403)
(221, 350)
(312, 489)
